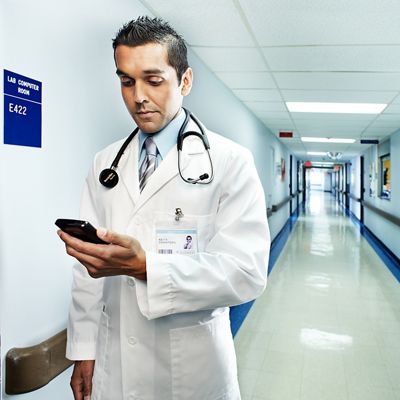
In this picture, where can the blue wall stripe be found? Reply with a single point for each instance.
(391, 261)
(238, 313)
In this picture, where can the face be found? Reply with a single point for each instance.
(149, 85)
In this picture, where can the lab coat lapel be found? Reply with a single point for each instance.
(166, 171)
(129, 172)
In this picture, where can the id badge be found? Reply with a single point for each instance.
(176, 238)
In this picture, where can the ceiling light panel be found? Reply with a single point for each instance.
(258, 95)
(316, 153)
(334, 58)
(339, 96)
(190, 21)
(323, 21)
(326, 140)
(231, 59)
(244, 80)
(338, 81)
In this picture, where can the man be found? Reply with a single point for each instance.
(188, 244)
(146, 323)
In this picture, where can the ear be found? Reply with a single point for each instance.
(186, 82)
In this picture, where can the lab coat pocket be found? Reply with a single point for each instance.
(203, 361)
(101, 366)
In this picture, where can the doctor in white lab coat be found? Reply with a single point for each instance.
(148, 320)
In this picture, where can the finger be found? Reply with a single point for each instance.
(114, 238)
(87, 387)
(89, 261)
(78, 244)
(77, 389)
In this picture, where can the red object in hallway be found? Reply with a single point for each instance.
(286, 134)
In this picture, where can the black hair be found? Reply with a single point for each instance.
(145, 30)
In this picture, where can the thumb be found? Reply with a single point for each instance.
(114, 237)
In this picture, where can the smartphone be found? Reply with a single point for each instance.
(82, 230)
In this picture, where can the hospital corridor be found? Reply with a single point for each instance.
(327, 326)
(200, 200)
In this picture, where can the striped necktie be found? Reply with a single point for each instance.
(149, 163)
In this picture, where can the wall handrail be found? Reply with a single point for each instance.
(30, 368)
(355, 197)
(276, 207)
(392, 218)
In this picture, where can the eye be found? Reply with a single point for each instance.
(155, 81)
(125, 81)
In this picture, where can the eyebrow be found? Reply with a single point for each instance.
(146, 72)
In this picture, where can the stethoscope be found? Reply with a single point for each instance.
(109, 177)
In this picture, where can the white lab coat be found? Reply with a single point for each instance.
(169, 338)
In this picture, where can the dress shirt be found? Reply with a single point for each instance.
(164, 139)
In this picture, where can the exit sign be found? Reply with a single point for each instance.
(285, 134)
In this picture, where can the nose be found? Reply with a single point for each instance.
(140, 93)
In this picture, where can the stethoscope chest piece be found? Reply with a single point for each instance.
(109, 178)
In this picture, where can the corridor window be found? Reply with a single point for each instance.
(385, 177)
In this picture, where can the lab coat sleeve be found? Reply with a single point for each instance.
(86, 301)
(232, 269)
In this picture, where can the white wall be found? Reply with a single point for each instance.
(386, 231)
(355, 187)
(67, 46)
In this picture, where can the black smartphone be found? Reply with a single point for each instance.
(82, 230)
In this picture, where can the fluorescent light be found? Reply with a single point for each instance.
(326, 140)
(322, 163)
(339, 108)
(316, 153)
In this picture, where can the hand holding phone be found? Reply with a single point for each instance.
(82, 230)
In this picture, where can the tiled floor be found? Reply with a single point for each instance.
(328, 325)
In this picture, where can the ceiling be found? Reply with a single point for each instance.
(269, 52)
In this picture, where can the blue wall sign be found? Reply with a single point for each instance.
(22, 110)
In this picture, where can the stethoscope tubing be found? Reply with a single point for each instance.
(109, 176)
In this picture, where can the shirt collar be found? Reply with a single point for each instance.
(167, 137)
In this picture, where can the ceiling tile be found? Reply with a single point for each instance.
(296, 22)
(378, 132)
(338, 81)
(392, 109)
(199, 21)
(343, 96)
(384, 124)
(283, 122)
(396, 100)
(265, 115)
(258, 95)
(389, 117)
(330, 132)
(334, 58)
(231, 59)
(263, 106)
(244, 80)
(305, 124)
(328, 117)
